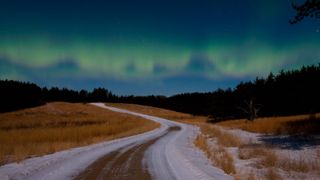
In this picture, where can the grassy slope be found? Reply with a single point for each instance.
(58, 126)
(301, 124)
(219, 156)
(265, 156)
(164, 113)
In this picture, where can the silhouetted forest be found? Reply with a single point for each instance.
(287, 93)
(18, 95)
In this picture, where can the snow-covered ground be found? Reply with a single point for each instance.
(171, 157)
(296, 158)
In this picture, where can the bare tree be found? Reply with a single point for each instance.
(310, 8)
(251, 109)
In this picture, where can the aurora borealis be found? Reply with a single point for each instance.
(151, 47)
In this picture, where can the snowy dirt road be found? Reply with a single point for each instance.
(164, 153)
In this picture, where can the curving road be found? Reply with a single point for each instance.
(165, 153)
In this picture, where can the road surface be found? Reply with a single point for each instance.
(164, 153)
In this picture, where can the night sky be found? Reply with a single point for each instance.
(152, 47)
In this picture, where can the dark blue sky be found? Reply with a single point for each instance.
(152, 47)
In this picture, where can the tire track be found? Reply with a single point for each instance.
(122, 164)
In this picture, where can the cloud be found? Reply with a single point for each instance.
(200, 65)
(64, 66)
(160, 69)
(9, 70)
(62, 69)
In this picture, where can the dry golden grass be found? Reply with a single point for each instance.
(246, 176)
(272, 175)
(300, 124)
(266, 156)
(268, 174)
(159, 112)
(224, 139)
(58, 126)
(218, 155)
(201, 143)
(299, 164)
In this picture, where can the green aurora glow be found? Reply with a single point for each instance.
(135, 48)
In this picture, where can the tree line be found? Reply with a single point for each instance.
(287, 93)
(18, 95)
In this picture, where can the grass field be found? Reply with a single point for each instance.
(301, 124)
(159, 112)
(218, 155)
(266, 161)
(58, 126)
